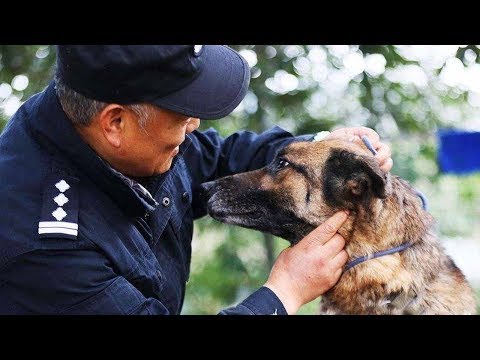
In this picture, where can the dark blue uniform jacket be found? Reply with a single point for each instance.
(78, 237)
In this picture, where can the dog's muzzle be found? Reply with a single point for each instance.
(207, 190)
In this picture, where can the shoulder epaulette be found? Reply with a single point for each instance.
(59, 216)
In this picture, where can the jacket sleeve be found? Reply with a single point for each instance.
(39, 282)
(72, 282)
(261, 302)
(211, 156)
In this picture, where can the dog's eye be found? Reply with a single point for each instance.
(282, 163)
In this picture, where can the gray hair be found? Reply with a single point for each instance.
(81, 110)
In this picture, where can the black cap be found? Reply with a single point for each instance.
(203, 81)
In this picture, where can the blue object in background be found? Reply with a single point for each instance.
(459, 151)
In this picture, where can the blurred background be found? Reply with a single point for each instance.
(406, 93)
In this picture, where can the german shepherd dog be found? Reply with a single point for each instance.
(308, 182)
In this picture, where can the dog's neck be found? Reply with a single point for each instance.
(376, 227)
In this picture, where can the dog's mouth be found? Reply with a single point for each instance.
(231, 211)
(222, 214)
(227, 210)
(253, 209)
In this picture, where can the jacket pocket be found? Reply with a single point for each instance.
(118, 298)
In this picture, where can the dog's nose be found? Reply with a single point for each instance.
(206, 189)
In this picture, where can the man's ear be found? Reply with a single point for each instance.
(350, 179)
(112, 122)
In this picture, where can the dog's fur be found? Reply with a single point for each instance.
(307, 183)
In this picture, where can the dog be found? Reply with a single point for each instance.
(396, 263)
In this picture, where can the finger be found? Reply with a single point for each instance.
(387, 165)
(344, 134)
(333, 246)
(325, 231)
(337, 275)
(383, 153)
(354, 134)
(370, 133)
(364, 141)
(340, 259)
(383, 150)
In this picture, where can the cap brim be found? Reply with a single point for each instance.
(217, 91)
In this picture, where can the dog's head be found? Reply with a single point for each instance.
(304, 185)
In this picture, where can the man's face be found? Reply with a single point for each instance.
(149, 151)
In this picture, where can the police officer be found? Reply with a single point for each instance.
(99, 185)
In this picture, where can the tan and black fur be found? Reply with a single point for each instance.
(307, 183)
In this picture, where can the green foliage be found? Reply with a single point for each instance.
(405, 93)
(36, 62)
(231, 264)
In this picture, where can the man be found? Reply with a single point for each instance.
(100, 176)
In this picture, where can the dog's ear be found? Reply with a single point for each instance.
(350, 179)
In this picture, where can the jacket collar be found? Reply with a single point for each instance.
(51, 123)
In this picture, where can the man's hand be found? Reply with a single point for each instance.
(384, 155)
(305, 271)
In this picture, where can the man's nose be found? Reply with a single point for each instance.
(193, 125)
